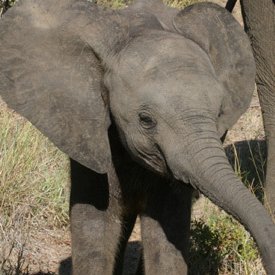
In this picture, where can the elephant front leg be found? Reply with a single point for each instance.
(259, 21)
(95, 221)
(165, 229)
(267, 100)
(270, 176)
(95, 238)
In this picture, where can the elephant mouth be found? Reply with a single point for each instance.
(155, 161)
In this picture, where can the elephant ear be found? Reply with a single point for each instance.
(51, 75)
(216, 31)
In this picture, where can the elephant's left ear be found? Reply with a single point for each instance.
(50, 74)
(216, 31)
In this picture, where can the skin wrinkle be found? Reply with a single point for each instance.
(218, 171)
(193, 118)
(189, 136)
(203, 149)
(230, 178)
(214, 164)
(153, 155)
(212, 196)
(194, 159)
(152, 160)
(184, 117)
(200, 174)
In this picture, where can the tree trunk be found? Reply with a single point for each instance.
(259, 19)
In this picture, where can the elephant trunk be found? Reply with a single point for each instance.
(207, 168)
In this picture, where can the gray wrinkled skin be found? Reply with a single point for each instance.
(259, 23)
(138, 99)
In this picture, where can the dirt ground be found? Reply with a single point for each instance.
(49, 250)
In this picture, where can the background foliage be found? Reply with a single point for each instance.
(5, 4)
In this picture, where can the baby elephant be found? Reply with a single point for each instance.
(138, 99)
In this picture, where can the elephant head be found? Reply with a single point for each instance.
(171, 84)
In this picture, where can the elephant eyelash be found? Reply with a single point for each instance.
(146, 121)
(220, 112)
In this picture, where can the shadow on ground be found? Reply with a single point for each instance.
(65, 267)
(131, 264)
(248, 158)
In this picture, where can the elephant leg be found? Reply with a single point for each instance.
(127, 228)
(96, 222)
(95, 237)
(165, 230)
(270, 176)
(259, 21)
(266, 92)
(268, 108)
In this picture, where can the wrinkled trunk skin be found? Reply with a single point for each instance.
(209, 170)
(259, 21)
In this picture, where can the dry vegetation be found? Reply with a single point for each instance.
(34, 199)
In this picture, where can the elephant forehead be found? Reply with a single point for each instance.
(170, 78)
(168, 96)
(162, 55)
(187, 91)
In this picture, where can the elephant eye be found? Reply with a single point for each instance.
(146, 121)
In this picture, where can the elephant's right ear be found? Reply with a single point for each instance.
(51, 75)
(216, 31)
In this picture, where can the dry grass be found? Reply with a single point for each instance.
(33, 180)
(180, 3)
